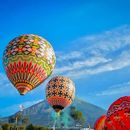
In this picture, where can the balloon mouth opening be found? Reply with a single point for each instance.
(23, 88)
(58, 108)
(22, 94)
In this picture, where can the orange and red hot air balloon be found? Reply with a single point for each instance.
(28, 60)
(60, 92)
(100, 123)
(118, 115)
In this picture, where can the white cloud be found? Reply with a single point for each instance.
(5, 84)
(67, 56)
(79, 64)
(120, 62)
(89, 55)
(95, 54)
(107, 41)
(115, 90)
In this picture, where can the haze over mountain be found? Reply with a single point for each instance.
(42, 114)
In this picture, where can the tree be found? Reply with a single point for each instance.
(77, 116)
(7, 126)
(25, 120)
(30, 127)
(18, 118)
(20, 128)
(11, 119)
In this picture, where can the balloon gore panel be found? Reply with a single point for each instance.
(28, 61)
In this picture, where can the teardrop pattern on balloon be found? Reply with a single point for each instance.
(28, 61)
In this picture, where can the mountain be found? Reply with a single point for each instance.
(42, 114)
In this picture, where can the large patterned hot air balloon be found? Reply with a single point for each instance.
(118, 115)
(28, 61)
(100, 123)
(60, 92)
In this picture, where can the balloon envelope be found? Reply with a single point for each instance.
(60, 92)
(100, 123)
(28, 61)
(118, 115)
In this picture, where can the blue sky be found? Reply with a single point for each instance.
(91, 40)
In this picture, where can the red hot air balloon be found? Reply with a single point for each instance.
(28, 61)
(60, 92)
(100, 123)
(118, 115)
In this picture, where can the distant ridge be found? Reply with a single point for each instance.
(42, 114)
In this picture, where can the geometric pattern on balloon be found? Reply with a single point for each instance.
(28, 60)
(60, 92)
(118, 115)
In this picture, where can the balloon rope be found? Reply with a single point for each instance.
(54, 124)
(88, 126)
(58, 114)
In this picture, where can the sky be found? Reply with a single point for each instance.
(91, 39)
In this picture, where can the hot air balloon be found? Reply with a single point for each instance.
(100, 123)
(28, 60)
(60, 92)
(118, 115)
